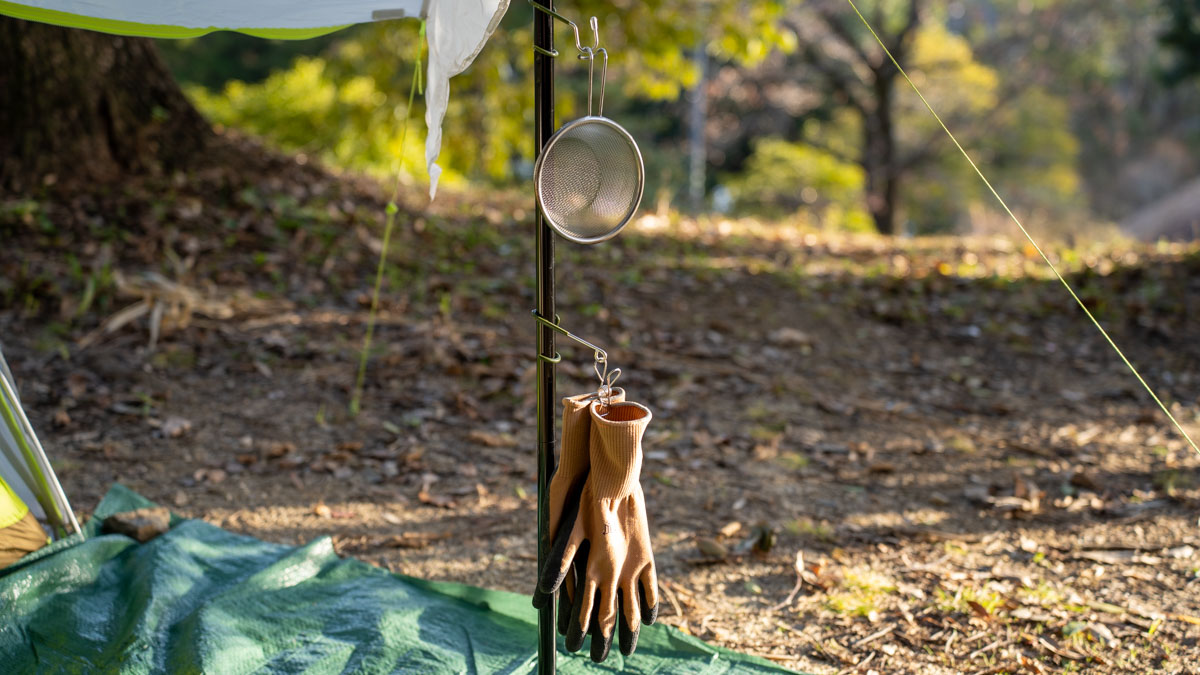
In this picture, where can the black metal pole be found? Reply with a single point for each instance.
(543, 115)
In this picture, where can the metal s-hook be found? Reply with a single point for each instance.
(603, 78)
(590, 55)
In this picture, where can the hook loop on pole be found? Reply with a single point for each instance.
(575, 29)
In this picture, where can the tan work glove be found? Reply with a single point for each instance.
(609, 545)
(567, 483)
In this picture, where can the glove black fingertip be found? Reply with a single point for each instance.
(574, 638)
(627, 635)
(649, 612)
(574, 633)
(541, 599)
(601, 643)
(564, 612)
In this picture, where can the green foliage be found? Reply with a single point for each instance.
(306, 109)
(345, 103)
(348, 106)
(1024, 141)
(219, 57)
(782, 177)
(1024, 118)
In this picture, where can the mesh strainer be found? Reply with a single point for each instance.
(589, 177)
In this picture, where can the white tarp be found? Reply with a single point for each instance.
(456, 30)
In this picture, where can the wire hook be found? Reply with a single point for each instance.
(590, 53)
(575, 29)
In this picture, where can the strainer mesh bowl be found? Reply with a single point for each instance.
(589, 179)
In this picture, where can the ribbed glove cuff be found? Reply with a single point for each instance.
(616, 448)
(573, 453)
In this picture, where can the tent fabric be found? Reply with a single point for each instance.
(200, 599)
(457, 30)
(12, 507)
(24, 467)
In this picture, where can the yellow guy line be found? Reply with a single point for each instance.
(389, 224)
(1025, 232)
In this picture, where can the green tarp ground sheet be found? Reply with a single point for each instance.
(199, 599)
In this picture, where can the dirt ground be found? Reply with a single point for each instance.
(899, 456)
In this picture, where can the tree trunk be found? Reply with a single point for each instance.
(879, 157)
(79, 105)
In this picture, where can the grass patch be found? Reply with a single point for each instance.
(810, 528)
(793, 461)
(961, 600)
(861, 592)
(962, 444)
(1043, 595)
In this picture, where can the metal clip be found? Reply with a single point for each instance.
(607, 380)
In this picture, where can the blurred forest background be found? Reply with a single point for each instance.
(1083, 114)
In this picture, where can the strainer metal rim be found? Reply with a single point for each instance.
(641, 178)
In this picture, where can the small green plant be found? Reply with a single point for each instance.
(811, 528)
(962, 444)
(861, 592)
(1171, 481)
(962, 599)
(793, 461)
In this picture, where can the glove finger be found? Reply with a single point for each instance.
(605, 614)
(627, 627)
(581, 609)
(601, 637)
(541, 599)
(565, 544)
(648, 591)
(566, 597)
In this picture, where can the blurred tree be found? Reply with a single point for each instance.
(1137, 133)
(782, 178)
(87, 106)
(859, 76)
(1021, 132)
(1182, 37)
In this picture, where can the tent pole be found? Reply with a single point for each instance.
(543, 102)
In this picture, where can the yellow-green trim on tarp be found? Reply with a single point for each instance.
(116, 27)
